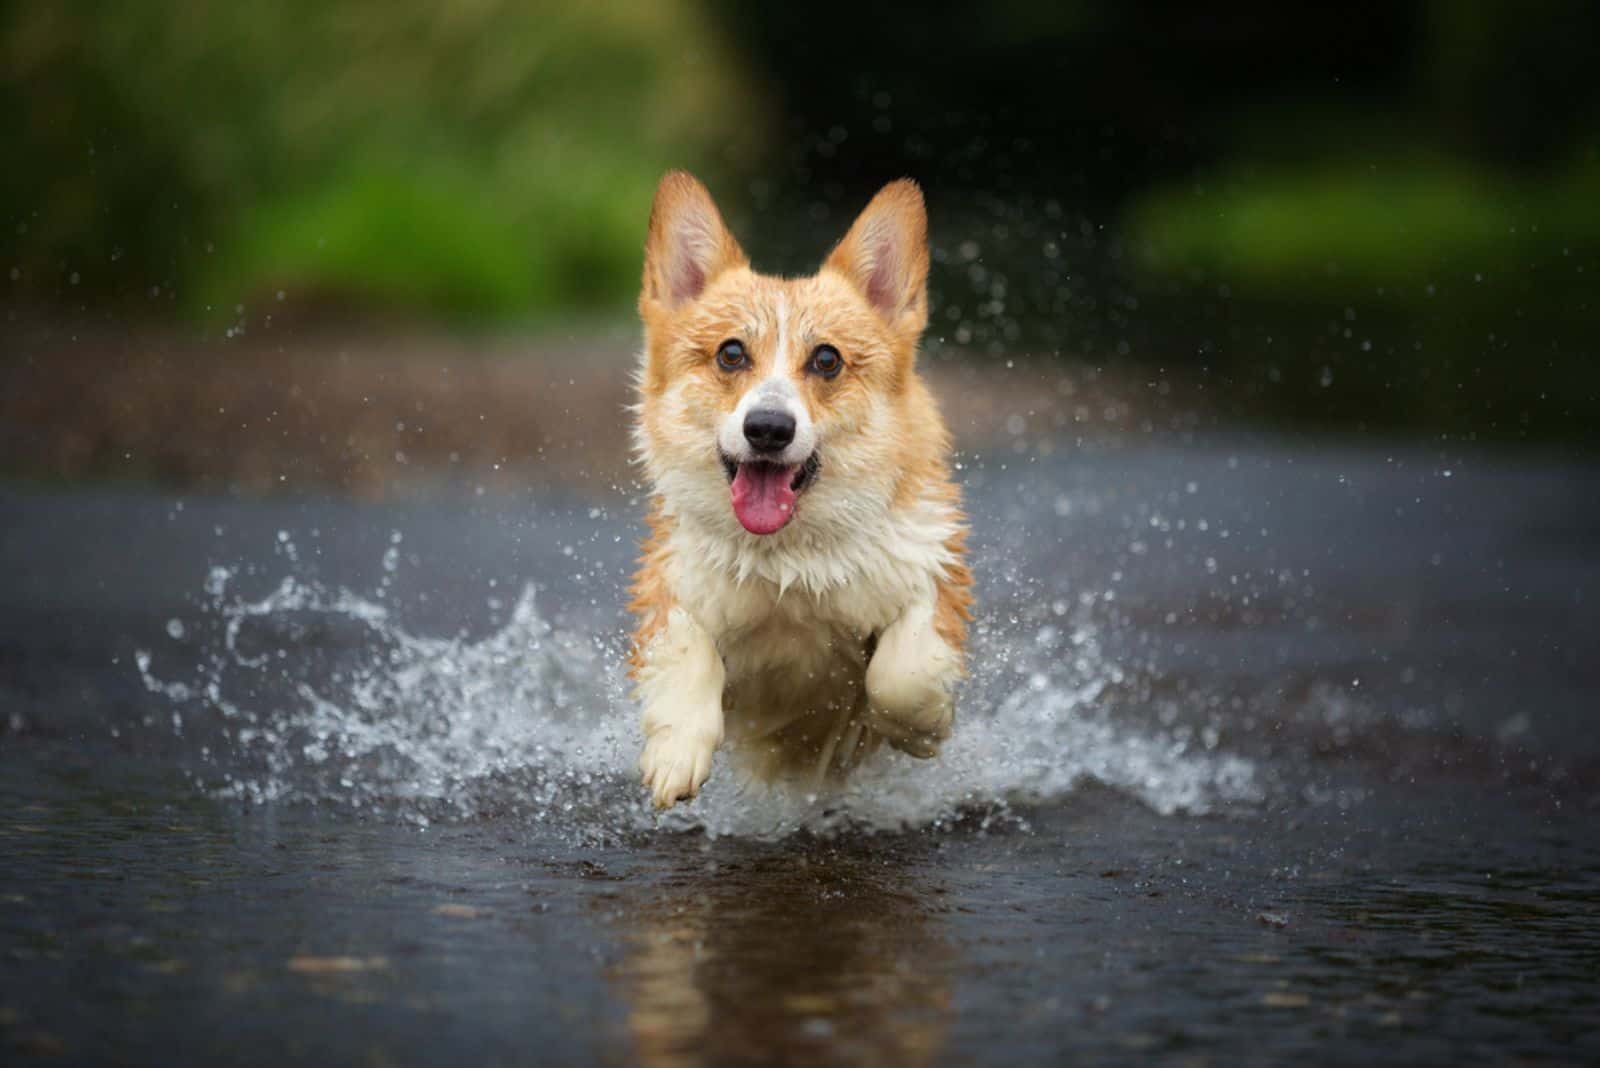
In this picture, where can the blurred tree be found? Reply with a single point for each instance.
(217, 150)
(1087, 99)
(1515, 82)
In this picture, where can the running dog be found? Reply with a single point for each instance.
(803, 591)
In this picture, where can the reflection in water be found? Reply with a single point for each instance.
(836, 950)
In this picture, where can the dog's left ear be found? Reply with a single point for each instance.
(885, 255)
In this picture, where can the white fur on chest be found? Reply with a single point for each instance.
(792, 616)
(859, 579)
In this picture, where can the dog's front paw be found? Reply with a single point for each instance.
(916, 728)
(910, 685)
(909, 702)
(675, 763)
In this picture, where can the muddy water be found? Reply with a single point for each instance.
(1269, 750)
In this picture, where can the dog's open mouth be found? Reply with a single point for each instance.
(764, 493)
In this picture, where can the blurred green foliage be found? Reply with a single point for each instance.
(1416, 290)
(481, 158)
(1387, 229)
(439, 240)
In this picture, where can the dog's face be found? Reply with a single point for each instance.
(765, 398)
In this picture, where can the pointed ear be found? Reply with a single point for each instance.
(885, 255)
(687, 246)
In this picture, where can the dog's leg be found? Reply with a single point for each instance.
(680, 684)
(911, 681)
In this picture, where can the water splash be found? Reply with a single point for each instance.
(323, 695)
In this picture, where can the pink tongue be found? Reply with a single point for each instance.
(762, 498)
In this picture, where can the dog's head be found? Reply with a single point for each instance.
(764, 398)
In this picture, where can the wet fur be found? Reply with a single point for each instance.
(808, 648)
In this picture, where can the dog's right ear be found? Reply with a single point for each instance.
(688, 244)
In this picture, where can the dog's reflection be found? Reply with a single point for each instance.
(827, 951)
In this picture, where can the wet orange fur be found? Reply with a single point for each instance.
(879, 429)
(651, 597)
(953, 609)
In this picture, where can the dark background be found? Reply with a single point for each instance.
(1373, 218)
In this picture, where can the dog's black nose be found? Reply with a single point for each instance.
(768, 430)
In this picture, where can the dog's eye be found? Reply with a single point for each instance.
(826, 361)
(732, 357)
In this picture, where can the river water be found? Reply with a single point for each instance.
(1271, 748)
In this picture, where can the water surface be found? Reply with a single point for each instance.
(1269, 750)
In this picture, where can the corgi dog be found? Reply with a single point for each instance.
(803, 590)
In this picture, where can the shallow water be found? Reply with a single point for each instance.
(1268, 749)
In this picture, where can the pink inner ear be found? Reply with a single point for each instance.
(692, 250)
(688, 279)
(883, 274)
